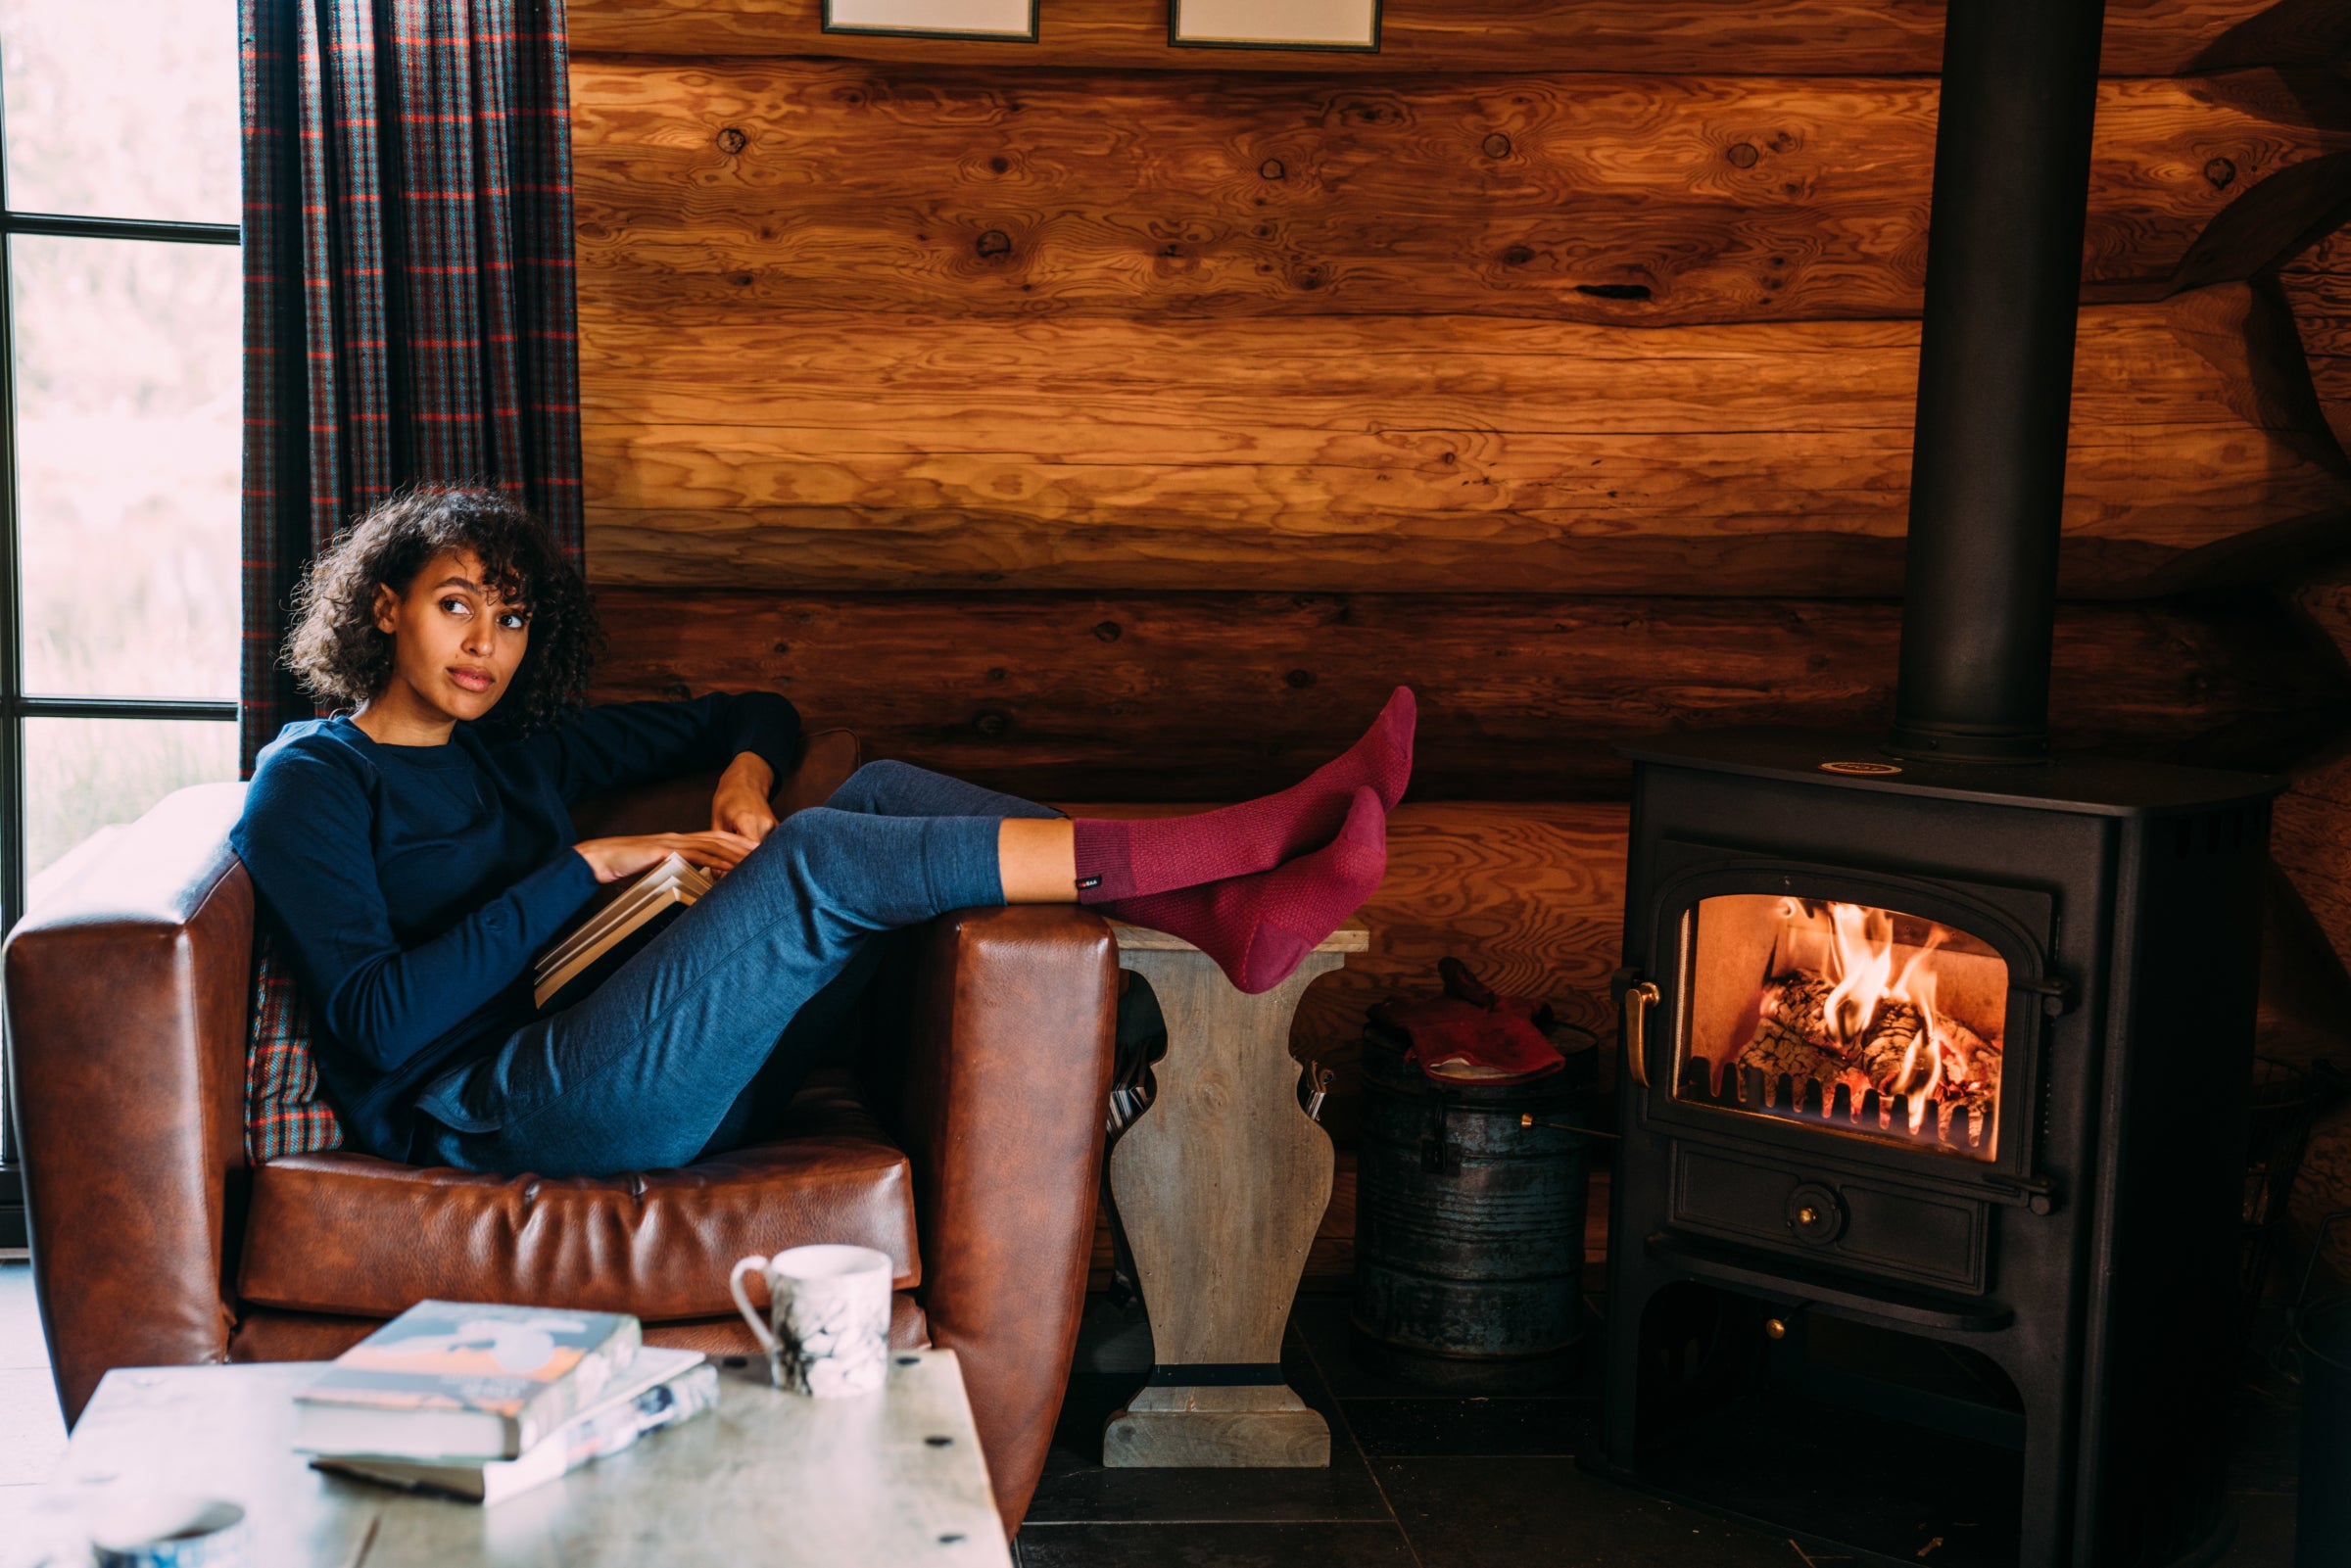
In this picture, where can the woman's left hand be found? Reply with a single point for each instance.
(740, 805)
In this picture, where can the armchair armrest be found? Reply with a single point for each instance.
(1006, 1079)
(128, 1001)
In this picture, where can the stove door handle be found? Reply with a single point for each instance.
(1639, 998)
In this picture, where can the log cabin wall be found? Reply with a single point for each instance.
(1109, 421)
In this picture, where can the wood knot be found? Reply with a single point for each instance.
(732, 141)
(1000, 165)
(1616, 291)
(1271, 169)
(1498, 144)
(1518, 256)
(2220, 173)
(992, 725)
(1299, 679)
(1743, 155)
(995, 241)
(677, 691)
(996, 673)
(1109, 631)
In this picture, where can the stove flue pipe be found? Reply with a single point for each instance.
(1996, 377)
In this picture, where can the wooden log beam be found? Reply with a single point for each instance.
(1778, 38)
(1357, 453)
(2247, 332)
(1213, 695)
(2314, 816)
(813, 184)
(2316, 286)
(2271, 223)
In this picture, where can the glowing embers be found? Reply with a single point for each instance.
(1866, 1021)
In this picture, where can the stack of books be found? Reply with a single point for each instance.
(481, 1402)
(615, 930)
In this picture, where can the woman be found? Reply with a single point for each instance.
(415, 850)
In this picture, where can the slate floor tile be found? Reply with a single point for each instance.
(1386, 1428)
(2265, 1531)
(1351, 1544)
(2265, 1437)
(1320, 1320)
(1508, 1513)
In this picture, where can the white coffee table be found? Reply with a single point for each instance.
(768, 1478)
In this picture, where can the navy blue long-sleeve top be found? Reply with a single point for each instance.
(414, 884)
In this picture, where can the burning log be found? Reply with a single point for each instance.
(1793, 1036)
(1937, 1064)
(1891, 1047)
(1781, 1048)
(1799, 1001)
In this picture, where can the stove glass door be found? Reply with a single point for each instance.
(1867, 1021)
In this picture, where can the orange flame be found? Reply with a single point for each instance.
(1861, 958)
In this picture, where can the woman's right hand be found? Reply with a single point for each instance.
(611, 859)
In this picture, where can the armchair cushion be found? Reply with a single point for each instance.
(284, 1112)
(353, 1235)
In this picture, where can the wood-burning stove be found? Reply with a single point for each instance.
(1950, 1059)
(1936, 1050)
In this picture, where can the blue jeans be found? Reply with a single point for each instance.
(693, 1043)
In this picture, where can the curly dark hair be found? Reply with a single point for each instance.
(342, 660)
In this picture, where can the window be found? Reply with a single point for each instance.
(120, 383)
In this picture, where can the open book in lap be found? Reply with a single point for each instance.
(615, 930)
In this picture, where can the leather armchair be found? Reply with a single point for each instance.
(968, 1147)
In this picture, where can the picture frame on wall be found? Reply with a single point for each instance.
(1349, 27)
(987, 21)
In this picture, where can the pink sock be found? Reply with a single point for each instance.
(1129, 858)
(1258, 927)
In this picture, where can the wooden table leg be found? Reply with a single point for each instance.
(1221, 1186)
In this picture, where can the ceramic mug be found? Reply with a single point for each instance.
(169, 1529)
(827, 1326)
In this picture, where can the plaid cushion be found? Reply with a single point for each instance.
(284, 1113)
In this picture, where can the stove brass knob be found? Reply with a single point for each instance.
(1815, 1215)
(1775, 1328)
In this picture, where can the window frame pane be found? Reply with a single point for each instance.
(83, 74)
(16, 707)
(128, 414)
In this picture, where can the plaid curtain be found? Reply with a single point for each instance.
(409, 311)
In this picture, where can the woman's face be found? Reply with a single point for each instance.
(454, 643)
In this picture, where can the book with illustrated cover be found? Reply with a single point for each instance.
(614, 930)
(456, 1380)
(660, 1389)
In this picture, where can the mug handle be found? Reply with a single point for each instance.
(761, 1331)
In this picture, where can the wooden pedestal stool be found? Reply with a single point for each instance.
(1221, 1186)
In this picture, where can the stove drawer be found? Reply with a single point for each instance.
(1894, 1232)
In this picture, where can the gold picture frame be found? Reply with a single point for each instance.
(933, 18)
(1321, 26)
